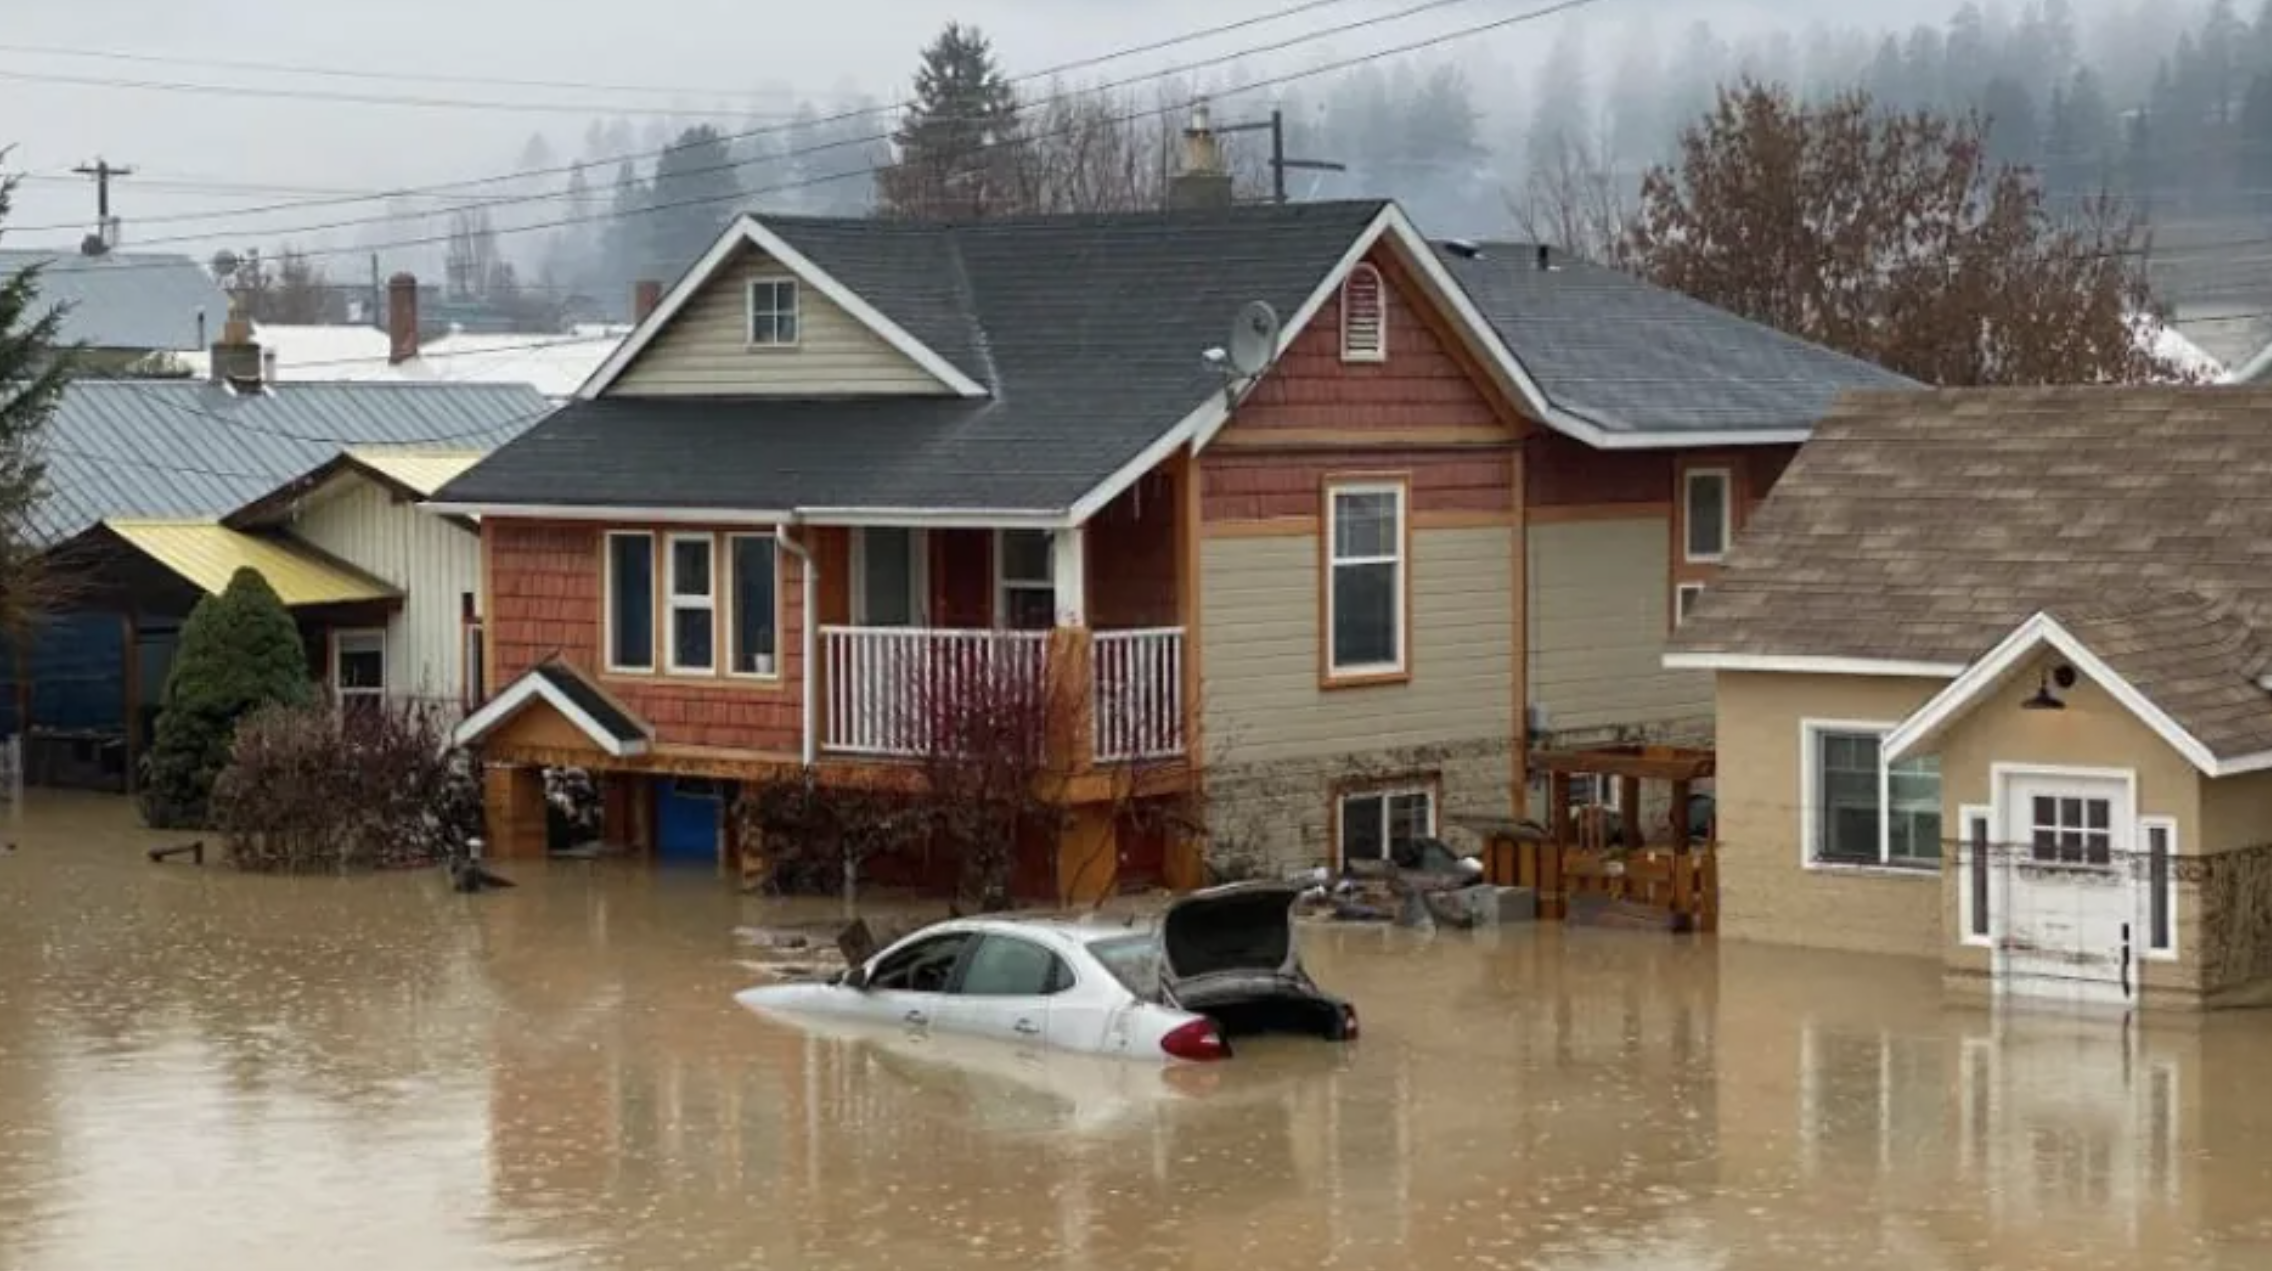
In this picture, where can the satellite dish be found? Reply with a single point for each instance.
(1254, 338)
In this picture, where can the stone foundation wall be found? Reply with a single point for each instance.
(2234, 893)
(1276, 816)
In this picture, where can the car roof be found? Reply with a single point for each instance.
(1050, 930)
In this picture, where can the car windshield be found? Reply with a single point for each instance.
(1134, 960)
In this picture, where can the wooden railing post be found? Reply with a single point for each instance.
(1071, 685)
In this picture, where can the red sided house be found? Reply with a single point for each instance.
(848, 469)
(844, 460)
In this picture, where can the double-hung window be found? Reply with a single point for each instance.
(1860, 810)
(359, 670)
(1365, 544)
(773, 319)
(631, 601)
(1375, 823)
(1028, 590)
(1707, 514)
(754, 618)
(693, 604)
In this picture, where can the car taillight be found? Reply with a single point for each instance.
(1197, 1041)
(1348, 1023)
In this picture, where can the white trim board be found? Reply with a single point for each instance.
(2044, 631)
(749, 231)
(533, 687)
(1807, 664)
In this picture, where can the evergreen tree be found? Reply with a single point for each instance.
(239, 651)
(2008, 113)
(2079, 145)
(956, 144)
(33, 369)
(2255, 141)
(696, 191)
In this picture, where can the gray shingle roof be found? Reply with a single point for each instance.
(1633, 357)
(1927, 527)
(174, 448)
(127, 300)
(1087, 330)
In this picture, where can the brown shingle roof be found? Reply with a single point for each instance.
(1927, 526)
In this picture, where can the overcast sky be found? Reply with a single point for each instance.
(703, 48)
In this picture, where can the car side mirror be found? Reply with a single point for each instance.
(856, 979)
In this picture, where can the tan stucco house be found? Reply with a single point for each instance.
(1991, 672)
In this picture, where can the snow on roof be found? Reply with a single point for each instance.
(555, 365)
(2169, 344)
(310, 352)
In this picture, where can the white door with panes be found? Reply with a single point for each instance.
(2065, 889)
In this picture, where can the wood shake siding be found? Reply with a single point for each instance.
(706, 350)
(545, 589)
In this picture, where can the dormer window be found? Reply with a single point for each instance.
(1364, 316)
(773, 319)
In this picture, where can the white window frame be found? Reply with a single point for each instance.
(919, 573)
(795, 311)
(731, 586)
(615, 664)
(1811, 732)
(675, 603)
(1727, 479)
(1384, 794)
(1968, 916)
(1335, 670)
(339, 638)
(2147, 825)
(1378, 352)
(1004, 584)
(1681, 593)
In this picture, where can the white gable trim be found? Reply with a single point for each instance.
(533, 687)
(750, 232)
(1800, 664)
(2040, 631)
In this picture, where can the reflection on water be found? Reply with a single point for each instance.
(201, 1070)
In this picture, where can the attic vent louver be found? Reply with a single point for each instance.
(1364, 317)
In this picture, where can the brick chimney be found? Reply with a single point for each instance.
(235, 357)
(402, 319)
(646, 294)
(1204, 182)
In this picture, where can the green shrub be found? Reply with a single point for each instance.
(239, 651)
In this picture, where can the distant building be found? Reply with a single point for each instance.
(125, 306)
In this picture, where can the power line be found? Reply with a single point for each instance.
(1023, 139)
(1121, 54)
(361, 99)
(340, 72)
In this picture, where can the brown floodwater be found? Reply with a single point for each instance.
(201, 1070)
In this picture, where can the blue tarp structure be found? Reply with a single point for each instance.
(78, 670)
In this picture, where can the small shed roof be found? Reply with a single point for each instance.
(208, 554)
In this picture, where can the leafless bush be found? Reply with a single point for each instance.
(310, 790)
(822, 837)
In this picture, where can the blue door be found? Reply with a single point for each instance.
(690, 821)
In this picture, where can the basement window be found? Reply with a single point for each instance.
(1364, 316)
(1376, 823)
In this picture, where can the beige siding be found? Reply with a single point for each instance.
(706, 349)
(432, 560)
(1601, 595)
(1766, 891)
(1263, 702)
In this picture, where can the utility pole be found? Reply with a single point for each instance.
(1279, 163)
(106, 226)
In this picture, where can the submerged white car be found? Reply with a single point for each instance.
(1220, 965)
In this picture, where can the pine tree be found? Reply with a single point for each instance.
(697, 190)
(33, 370)
(957, 141)
(239, 651)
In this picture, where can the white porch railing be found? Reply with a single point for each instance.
(889, 686)
(1139, 694)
